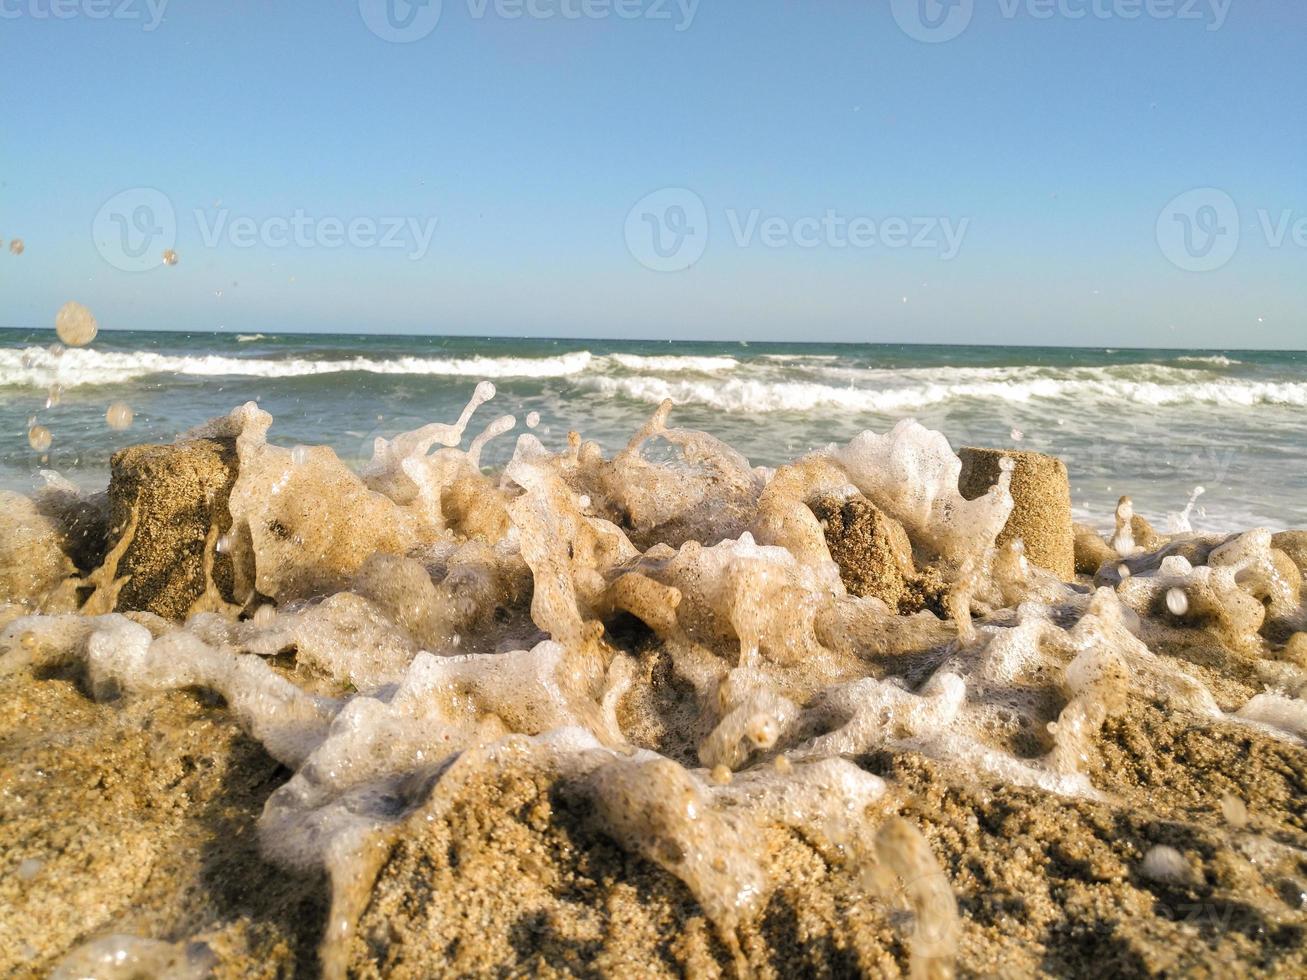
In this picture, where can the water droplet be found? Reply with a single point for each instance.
(75, 325)
(532, 419)
(16, 246)
(1177, 602)
(119, 415)
(299, 455)
(169, 257)
(39, 438)
(54, 396)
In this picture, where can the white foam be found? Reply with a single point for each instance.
(749, 395)
(673, 363)
(37, 367)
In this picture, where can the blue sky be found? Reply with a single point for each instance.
(1048, 146)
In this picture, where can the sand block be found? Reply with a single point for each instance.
(1041, 493)
(180, 493)
(1293, 544)
(1091, 550)
(34, 571)
(871, 548)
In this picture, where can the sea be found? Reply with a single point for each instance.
(1154, 424)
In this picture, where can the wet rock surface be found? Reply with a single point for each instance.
(1041, 494)
(173, 501)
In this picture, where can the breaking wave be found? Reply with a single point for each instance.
(744, 395)
(39, 367)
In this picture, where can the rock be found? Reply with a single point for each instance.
(871, 548)
(1041, 494)
(180, 495)
(1293, 544)
(1091, 551)
(82, 519)
(35, 574)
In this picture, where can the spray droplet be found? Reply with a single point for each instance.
(54, 396)
(75, 325)
(1235, 811)
(532, 419)
(119, 415)
(1177, 602)
(16, 246)
(1017, 434)
(299, 455)
(223, 545)
(169, 257)
(39, 438)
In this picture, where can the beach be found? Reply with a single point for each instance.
(1151, 423)
(624, 661)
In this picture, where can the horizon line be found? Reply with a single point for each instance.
(659, 340)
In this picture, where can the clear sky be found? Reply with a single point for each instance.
(832, 174)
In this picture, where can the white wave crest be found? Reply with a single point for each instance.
(673, 363)
(1216, 360)
(39, 367)
(751, 396)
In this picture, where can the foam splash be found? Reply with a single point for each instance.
(444, 620)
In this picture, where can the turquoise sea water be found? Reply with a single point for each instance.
(1151, 423)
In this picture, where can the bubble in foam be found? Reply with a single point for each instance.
(1234, 811)
(39, 438)
(169, 257)
(1166, 864)
(75, 325)
(532, 419)
(119, 416)
(16, 246)
(1177, 602)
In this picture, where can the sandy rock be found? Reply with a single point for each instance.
(1041, 493)
(82, 519)
(180, 493)
(1091, 551)
(1293, 544)
(137, 819)
(34, 571)
(871, 548)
